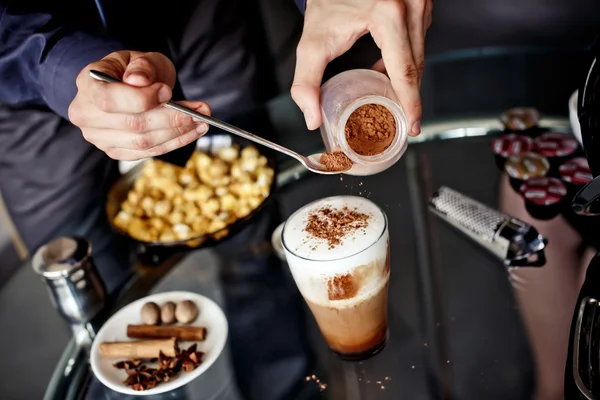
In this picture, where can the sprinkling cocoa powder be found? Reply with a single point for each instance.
(334, 225)
(370, 129)
(335, 161)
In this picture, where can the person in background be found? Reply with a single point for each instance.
(48, 172)
(125, 120)
(61, 131)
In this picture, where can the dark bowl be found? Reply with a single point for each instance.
(119, 191)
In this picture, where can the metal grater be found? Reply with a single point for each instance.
(516, 243)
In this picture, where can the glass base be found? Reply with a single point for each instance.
(364, 354)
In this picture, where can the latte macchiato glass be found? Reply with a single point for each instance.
(337, 249)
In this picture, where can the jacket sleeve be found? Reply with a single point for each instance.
(40, 58)
(301, 5)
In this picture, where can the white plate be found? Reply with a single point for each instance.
(115, 329)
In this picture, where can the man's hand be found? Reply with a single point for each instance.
(126, 120)
(331, 27)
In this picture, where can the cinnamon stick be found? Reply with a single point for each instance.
(193, 333)
(138, 348)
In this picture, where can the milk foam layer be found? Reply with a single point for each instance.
(302, 244)
(362, 254)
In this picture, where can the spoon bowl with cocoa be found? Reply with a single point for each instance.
(324, 163)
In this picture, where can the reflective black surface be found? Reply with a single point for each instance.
(461, 325)
(455, 331)
(581, 371)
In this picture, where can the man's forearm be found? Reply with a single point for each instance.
(40, 58)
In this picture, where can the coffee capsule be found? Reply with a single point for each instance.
(575, 172)
(520, 118)
(510, 144)
(544, 196)
(525, 166)
(556, 147)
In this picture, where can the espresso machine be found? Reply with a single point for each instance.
(582, 372)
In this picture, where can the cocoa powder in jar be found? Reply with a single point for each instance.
(370, 129)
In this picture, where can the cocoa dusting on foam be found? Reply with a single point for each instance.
(334, 225)
(370, 129)
(342, 287)
(335, 161)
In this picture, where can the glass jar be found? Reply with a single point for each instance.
(340, 97)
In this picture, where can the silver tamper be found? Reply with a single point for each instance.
(513, 241)
(75, 287)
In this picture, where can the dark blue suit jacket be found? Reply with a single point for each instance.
(40, 57)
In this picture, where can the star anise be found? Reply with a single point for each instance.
(168, 368)
(165, 375)
(190, 358)
(141, 379)
(166, 362)
(128, 365)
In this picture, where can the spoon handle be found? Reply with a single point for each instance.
(101, 76)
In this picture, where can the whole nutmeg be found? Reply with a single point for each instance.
(150, 314)
(167, 313)
(186, 312)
